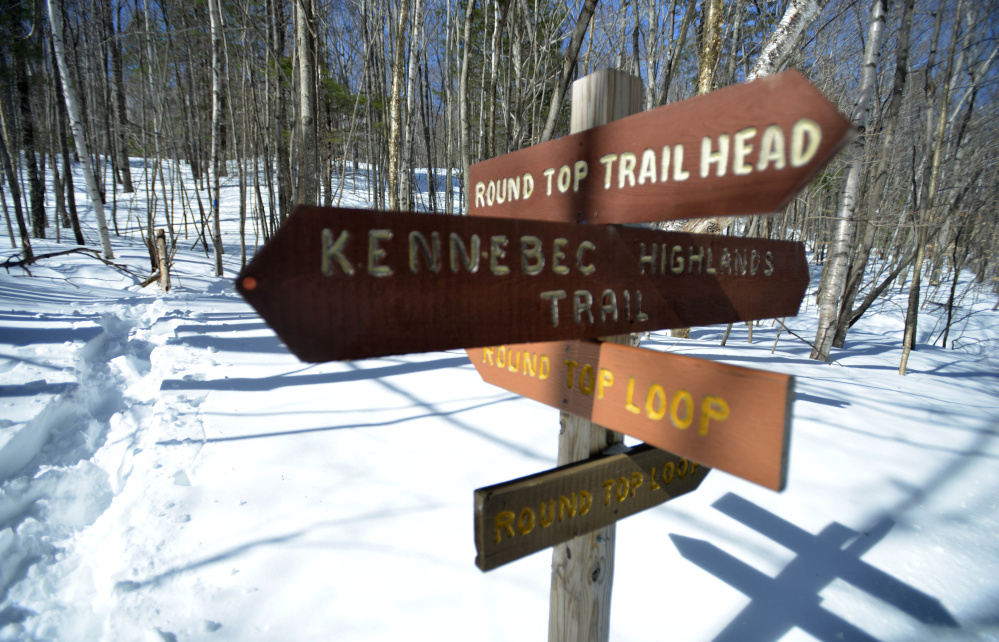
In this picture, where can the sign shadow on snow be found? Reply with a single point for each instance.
(792, 599)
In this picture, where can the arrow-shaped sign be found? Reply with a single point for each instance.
(351, 284)
(744, 149)
(726, 417)
(529, 514)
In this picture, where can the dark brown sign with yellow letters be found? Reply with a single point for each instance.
(526, 515)
(351, 284)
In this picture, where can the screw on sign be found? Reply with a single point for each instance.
(744, 149)
(351, 284)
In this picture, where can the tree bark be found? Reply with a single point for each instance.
(395, 107)
(218, 118)
(76, 124)
(305, 24)
(856, 277)
(834, 282)
(568, 63)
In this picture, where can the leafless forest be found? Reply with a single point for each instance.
(297, 97)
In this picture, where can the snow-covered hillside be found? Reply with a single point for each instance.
(169, 472)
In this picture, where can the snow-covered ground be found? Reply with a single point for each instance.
(169, 472)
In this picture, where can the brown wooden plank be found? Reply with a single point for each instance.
(648, 167)
(723, 416)
(526, 515)
(351, 284)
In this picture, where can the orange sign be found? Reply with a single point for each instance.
(722, 416)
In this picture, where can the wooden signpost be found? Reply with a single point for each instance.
(726, 417)
(744, 149)
(352, 284)
(526, 515)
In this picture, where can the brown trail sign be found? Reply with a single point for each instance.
(351, 284)
(726, 417)
(744, 149)
(526, 515)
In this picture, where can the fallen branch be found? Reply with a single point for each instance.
(24, 263)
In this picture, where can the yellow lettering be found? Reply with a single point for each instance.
(570, 364)
(681, 396)
(654, 413)
(672, 469)
(566, 506)
(636, 480)
(622, 489)
(629, 406)
(604, 380)
(681, 469)
(513, 366)
(608, 487)
(586, 380)
(501, 357)
(528, 186)
(652, 480)
(585, 501)
(712, 408)
(526, 522)
(480, 190)
(487, 353)
(545, 523)
(545, 368)
(504, 522)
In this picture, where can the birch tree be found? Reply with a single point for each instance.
(76, 124)
(218, 118)
(834, 279)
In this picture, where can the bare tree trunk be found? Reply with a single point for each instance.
(305, 23)
(395, 107)
(466, 142)
(118, 101)
(934, 145)
(839, 256)
(76, 124)
(15, 190)
(218, 117)
(568, 63)
(856, 277)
